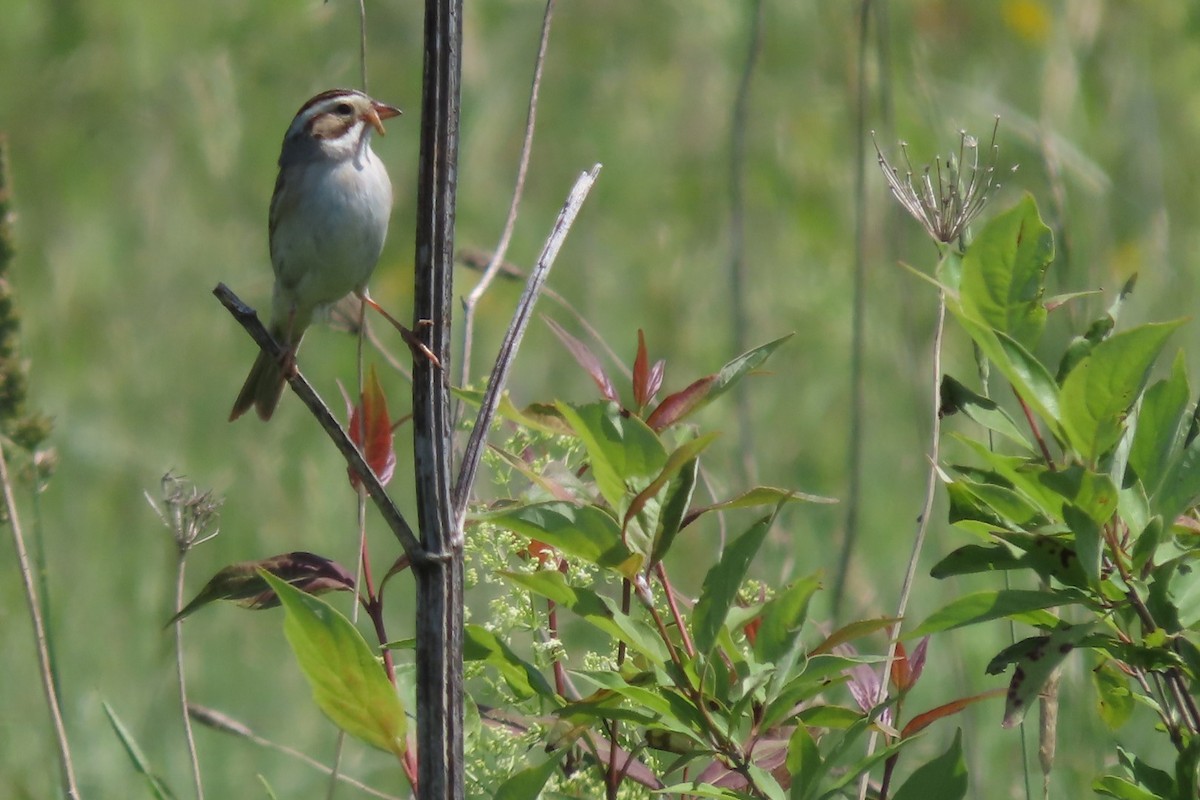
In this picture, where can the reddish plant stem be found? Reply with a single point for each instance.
(686, 640)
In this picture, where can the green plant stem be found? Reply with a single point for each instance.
(738, 272)
(66, 765)
(858, 315)
(181, 676)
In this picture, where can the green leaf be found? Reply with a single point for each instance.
(986, 606)
(675, 508)
(622, 448)
(722, 583)
(1103, 386)
(528, 783)
(955, 397)
(943, 778)
(1180, 488)
(1049, 556)
(1113, 696)
(782, 618)
(1160, 426)
(525, 681)
(1088, 544)
(759, 496)
(1112, 786)
(1003, 273)
(804, 762)
(599, 611)
(685, 455)
(1028, 376)
(1092, 493)
(138, 758)
(974, 558)
(852, 631)
(586, 532)
(347, 679)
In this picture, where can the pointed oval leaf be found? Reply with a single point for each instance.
(722, 583)
(985, 606)
(622, 449)
(1102, 387)
(1003, 273)
(922, 721)
(1160, 426)
(524, 679)
(943, 778)
(675, 508)
(586, 532)
(347, 679)
(783, 617)
(641, 373)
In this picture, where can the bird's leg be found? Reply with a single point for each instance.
(287, 362)
(410, 338)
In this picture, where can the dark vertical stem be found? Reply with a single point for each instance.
(738, 277)
(858, 322)
(439, 690)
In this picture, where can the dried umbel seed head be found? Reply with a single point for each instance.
(946, 197)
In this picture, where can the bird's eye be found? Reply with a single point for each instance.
(344, 109)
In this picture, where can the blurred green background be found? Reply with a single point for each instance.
(143, 139)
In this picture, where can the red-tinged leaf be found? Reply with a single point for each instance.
(641, 372)
(705, 390)
(922, 721)
(675, 407)
(586, 359)
(242, 582)
(916, 662)
(371, 431)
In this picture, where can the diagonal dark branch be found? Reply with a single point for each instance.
(248, 319)
(512, 340)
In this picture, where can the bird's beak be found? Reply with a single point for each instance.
(379, 112)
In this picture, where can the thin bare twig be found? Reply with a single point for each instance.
(738, 272)
(41, 642)
(248, 319)
(221, 722)
(931, 483)
(512, 341)
(497, 260)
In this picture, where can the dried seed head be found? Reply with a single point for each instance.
(946, 197)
